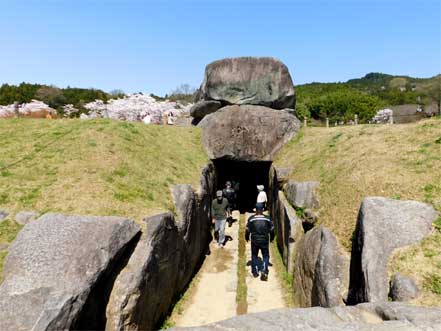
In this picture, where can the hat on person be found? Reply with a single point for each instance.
(219, 194)
(260, 187)
(259, 206)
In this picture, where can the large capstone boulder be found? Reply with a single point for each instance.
(321, 270)
(403, 288)
(262, 81)
(144, 290)
(203, 108)
(58, 271)
(302, 194)
(247, 133)
(390, 316)
(382, 226)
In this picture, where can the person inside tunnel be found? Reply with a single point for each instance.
(244, 178)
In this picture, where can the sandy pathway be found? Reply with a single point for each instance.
(214, 297)
(262, 295)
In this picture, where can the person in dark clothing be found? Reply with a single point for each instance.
(219, 214)
(261, 229)
(230, 195)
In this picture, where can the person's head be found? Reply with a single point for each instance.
(260, 188)
(228, 184)
(219, 195)
(259, 208)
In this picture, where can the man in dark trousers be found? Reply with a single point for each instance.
(261, 229)
(219, 208)
(230, 194)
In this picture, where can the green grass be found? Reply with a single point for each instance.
(242, 290)
(432, 282)
(286, 279)
(2, 260)
(437, 224)
(98, 167)
(397, 161)
(8, 231)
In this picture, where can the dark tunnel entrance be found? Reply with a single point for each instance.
(245, 176)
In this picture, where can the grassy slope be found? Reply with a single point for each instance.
(96, 167)
(400, 161)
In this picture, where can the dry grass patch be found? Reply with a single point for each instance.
(395, 161)
(422, 262)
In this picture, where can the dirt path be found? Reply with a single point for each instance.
(263, 295)
(214, 297)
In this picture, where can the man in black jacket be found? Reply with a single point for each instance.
(230, 194)
(261, 230)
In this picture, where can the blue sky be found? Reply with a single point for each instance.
(154, 46)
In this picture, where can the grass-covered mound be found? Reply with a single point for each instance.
(395, 161)
(96, 167)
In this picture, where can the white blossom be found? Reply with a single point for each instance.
(383, 116)
(135, 107)
(69, 110)
(26, 109)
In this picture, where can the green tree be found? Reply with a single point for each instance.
(302, 111)
(434, 93)
(343, 105)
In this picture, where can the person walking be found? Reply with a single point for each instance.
(230, 195)
(219, 214)
(261, 196)
(261, 230)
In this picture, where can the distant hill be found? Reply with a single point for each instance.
(375, 81)
(364, 96)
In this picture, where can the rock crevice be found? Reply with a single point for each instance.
(165, 260)
(383, 225)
